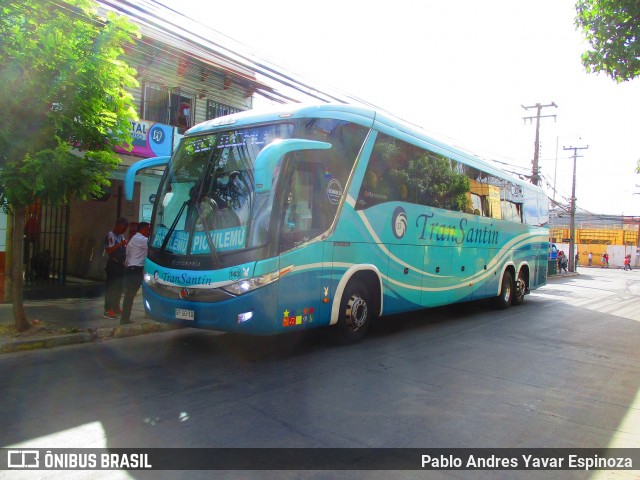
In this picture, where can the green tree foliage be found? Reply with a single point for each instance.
(64, 106)
(612, 27)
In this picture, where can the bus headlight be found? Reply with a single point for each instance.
(245, 317)
(249, 284)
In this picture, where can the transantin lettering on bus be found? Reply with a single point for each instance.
(182, 279)
(460, 234)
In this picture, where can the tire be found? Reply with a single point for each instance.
(355, 313)
(505, 298)
(520, 290)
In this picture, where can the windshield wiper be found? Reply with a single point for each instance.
(207, 230)
(200, 211)
(172, 228)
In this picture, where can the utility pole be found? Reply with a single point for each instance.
(637, 252)
(572, 234)
(535, 175)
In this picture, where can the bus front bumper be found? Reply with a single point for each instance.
(253, 313)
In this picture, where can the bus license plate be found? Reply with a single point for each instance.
(185, 314)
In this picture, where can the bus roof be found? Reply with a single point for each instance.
(280, 112)
(362, 115)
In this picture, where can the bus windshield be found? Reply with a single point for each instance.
(209, 214)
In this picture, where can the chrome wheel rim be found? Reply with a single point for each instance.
(507, 293)
(521, 287)
(356, 314)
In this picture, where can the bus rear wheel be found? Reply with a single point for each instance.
(503, 300)
(355, 313)
(520, 289)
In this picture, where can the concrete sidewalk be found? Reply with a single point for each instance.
(67, 321)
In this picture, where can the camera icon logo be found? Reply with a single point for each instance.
(23, 459)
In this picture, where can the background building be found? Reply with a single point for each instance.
(616, 235)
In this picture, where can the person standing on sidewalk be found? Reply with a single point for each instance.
(564, 265)
(115, 245)
(136, 255)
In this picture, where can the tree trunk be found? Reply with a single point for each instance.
(17, 268)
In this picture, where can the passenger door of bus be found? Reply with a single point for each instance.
(303, 218)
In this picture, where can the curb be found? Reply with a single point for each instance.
(88, 336)
(562, 275)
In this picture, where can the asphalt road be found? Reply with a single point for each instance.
(562, 370)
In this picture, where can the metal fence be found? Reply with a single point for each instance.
(46, 244)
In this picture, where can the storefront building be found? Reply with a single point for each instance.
(184, 80)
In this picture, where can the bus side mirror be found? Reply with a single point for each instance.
(271, 155)
(130, 176)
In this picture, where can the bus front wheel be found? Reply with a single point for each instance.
(503, 300)
(355, 313)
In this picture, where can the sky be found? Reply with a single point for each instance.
(462, 69)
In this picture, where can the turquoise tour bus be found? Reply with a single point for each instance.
(310, 216)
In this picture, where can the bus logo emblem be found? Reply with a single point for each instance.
(399, 222)
(334, 191)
